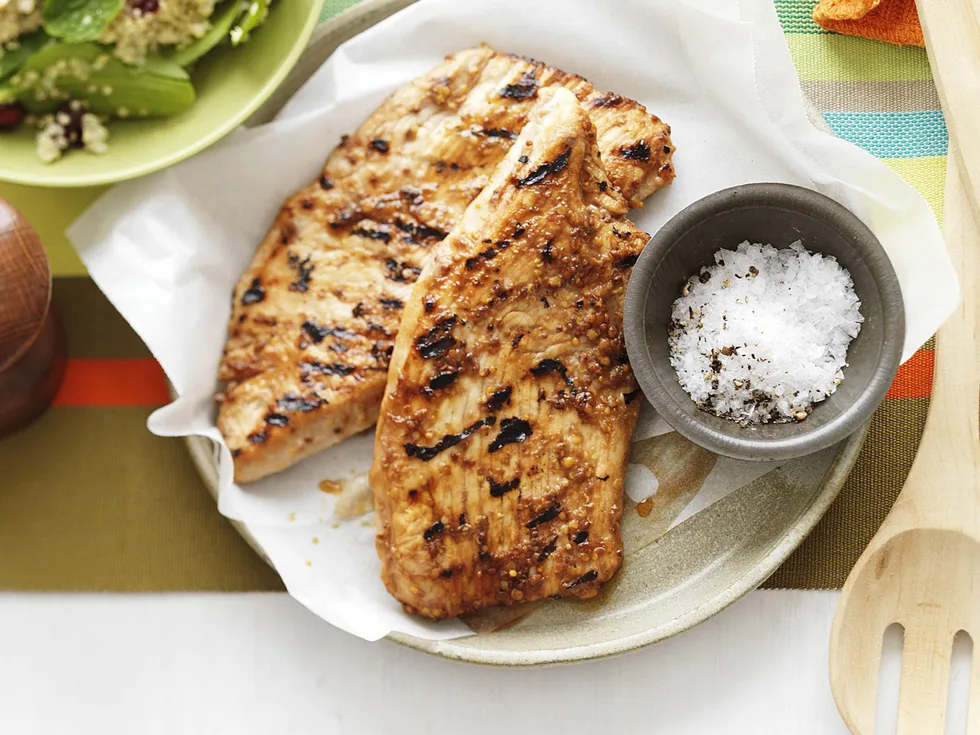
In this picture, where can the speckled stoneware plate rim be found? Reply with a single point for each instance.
(325, 39)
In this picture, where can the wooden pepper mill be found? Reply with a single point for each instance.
(32, 342)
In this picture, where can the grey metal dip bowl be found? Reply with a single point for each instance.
(776, 214)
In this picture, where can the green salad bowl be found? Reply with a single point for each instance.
(230, 82)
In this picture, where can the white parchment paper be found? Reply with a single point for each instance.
(168, 249)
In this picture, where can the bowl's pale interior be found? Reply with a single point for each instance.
(230, 82)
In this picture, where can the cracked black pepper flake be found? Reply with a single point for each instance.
(381, 146)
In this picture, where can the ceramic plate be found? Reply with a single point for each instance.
(669, 582)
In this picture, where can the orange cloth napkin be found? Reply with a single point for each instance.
(894, 21)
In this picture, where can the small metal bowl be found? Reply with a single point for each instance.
(776, 214)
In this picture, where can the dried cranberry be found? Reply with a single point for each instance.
(144, 7)
(69, 117)
(11, 116)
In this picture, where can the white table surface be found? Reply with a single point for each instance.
(260, 663)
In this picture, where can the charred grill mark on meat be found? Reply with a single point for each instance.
(317, 332)
(448, 441)
(522, 90)
(381, 235)
(548, 550)
(545, 170)
(512, 430)
(304, 269)
(550, 365)
(276, 419)
(499, 398)
(436, 341)
(417, 232)
(549, 514)
(497, 133)
(442, 380)
(300, 404)
(397, 271)
(589, 576)
(310, 368)
(254, 294)
(497, 489)
(639, 151)
(434, 530)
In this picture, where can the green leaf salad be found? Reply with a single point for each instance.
(70, 67)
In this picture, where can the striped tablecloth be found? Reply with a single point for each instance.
(90, 500)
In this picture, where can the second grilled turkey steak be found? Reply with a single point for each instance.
(501, 450)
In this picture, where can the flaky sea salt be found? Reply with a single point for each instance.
(762, 335)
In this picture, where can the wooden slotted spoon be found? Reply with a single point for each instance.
(922, 569)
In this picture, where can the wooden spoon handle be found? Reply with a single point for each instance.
(952, 35)
(943, 487)
(956, 381)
